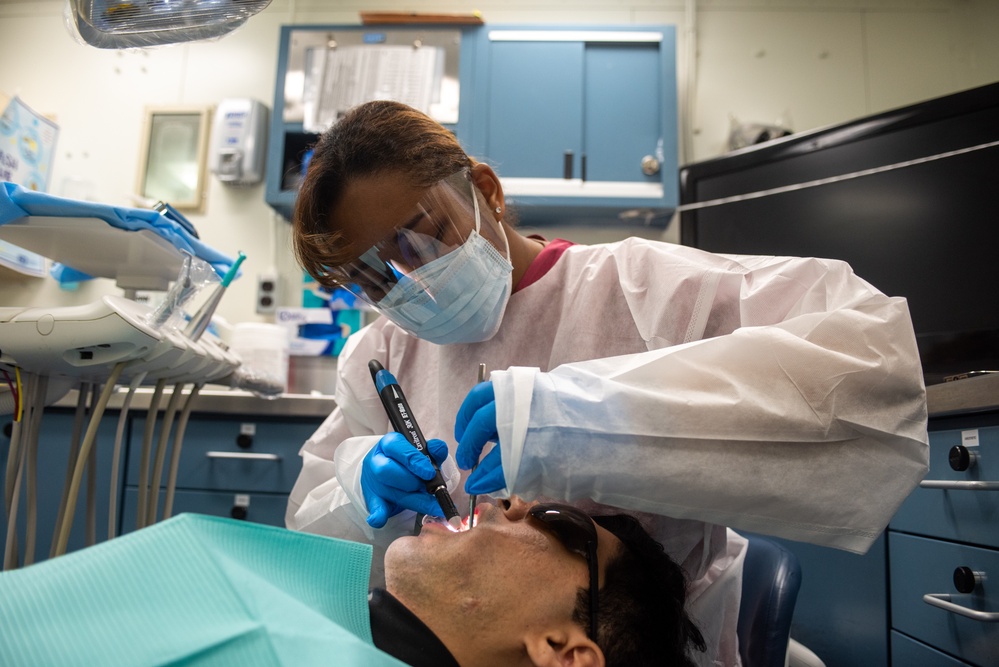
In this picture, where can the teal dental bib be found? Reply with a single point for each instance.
(194, 590)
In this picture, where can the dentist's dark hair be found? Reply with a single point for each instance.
(371, 138)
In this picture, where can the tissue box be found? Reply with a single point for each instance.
(318, 331)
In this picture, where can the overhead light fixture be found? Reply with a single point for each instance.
(123, 24)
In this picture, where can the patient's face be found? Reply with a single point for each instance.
(510, 562)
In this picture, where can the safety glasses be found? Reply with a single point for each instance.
(577, 532)
(439, 224)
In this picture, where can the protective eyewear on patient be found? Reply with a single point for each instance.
(439, 223)
(577, 532)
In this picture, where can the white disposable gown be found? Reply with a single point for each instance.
(776, 395)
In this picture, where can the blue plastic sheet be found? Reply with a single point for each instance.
(17, 202)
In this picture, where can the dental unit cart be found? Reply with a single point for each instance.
(47, 352)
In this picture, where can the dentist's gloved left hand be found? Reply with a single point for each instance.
(393, 476)
(474, 426)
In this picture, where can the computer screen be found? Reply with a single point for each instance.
(907, 197)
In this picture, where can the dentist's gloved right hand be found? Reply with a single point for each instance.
(474, 426)
(394, 475)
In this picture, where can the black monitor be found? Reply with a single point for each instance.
(908, 197)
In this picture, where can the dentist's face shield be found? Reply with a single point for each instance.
(443, 272)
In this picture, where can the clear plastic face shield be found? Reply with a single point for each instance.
(441, 222)
(443, 273)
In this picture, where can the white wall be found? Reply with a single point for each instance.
(814, 62)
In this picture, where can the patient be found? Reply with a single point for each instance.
(510, 592)
(515, 590)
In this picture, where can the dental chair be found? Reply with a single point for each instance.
(770, 581)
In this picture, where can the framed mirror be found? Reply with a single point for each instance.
(174, 150)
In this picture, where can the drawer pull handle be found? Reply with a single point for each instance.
(961, 458)
(246, 456)
(958, 486)
(942, 600)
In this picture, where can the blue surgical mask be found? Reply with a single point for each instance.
(457, 298)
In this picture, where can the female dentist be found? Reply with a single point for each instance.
(771, 394)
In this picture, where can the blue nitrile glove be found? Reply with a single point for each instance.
(474, 427)
(393, 476)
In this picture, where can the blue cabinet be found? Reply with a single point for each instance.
(534, 102)
(289, 139)
(872, 610)
(230, 465)
(262, 508)
(923, 566)
(906, 651)
(236, 465)
(944, 549)
(580, 123)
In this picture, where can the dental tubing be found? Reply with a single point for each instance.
(147, 439)
(11, 508)
(153, 497)
(22, 459)
(74, 447)
(178, 441)
(90, 524)
(18, 458)
(88, 442)
(30, 456)
(10, 552)
(116, 456)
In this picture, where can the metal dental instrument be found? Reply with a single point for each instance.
(473, 499)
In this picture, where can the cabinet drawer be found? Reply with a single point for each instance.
(920, 566)
(956, 514)
(906, 652)
(261, 508)
(221, 454)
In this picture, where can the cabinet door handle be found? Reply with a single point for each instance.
(650, 165)
(958, 486)
(243, 455)
(942, 600)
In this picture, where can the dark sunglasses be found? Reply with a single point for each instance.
(577, 532)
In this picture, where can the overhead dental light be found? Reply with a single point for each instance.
(123, 24)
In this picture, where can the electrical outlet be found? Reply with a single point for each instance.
(267, 284)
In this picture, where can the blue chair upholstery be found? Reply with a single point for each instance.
(770, 581)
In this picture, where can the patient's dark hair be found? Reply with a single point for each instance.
(642, 619)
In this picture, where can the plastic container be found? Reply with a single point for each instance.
(263, 349)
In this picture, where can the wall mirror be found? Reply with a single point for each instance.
(174, 150)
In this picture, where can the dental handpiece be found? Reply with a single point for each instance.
(403, 421)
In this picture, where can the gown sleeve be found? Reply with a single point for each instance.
(794, 406)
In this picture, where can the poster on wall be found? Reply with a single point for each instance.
(27, 146)
(27, 149)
